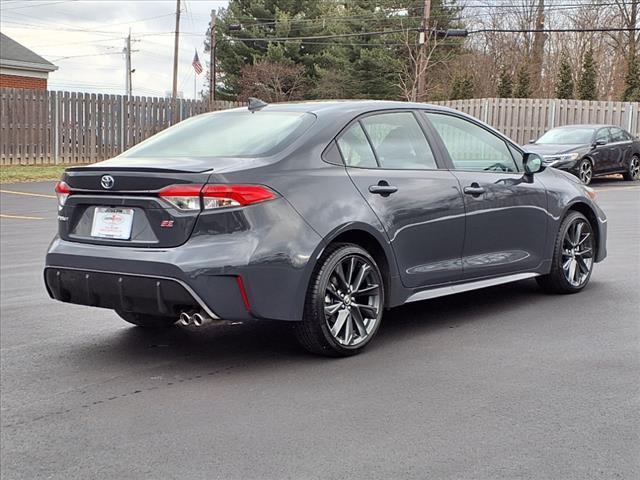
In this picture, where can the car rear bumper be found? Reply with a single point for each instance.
(124, 292)
(259, 272)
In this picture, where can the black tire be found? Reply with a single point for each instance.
(314, 332)
(557, 280)
(633, 170)
(147, 321)
(585, 171)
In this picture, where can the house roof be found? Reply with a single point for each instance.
(15, 55)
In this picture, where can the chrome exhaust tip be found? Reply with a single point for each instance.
(198, 319)
(185, 319)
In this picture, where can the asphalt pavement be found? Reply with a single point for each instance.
(502, 383)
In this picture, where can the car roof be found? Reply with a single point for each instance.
(321, 107)
(589, 125)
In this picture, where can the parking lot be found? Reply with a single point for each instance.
(502, 383)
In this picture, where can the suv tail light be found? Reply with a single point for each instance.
(62, 192)
(209, 197)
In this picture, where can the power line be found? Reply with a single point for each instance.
(31, 5)
(551, 30)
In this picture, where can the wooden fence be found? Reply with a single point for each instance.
(524, 119)
(41, 127)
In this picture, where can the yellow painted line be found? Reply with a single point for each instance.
(13, 192)
(19, 217)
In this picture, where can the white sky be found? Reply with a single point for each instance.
(96, 30)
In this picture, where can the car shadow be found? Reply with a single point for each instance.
(267, 343)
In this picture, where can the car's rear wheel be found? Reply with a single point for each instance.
(573, 256)
(147, 321)
(344, 303)
(633, 172)
(585, 171)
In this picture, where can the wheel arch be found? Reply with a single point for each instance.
(586, 210)
(373, 241)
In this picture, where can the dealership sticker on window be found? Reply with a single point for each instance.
(112, 223)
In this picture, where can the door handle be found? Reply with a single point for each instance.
(383, 188)
(474, 189)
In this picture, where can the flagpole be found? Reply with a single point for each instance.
(195, 87)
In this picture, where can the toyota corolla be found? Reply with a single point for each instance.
(322, 214)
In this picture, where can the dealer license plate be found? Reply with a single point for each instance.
(112, 223)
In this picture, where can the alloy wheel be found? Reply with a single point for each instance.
(586, 171)
(577, 252)
(634, 168)
(352, 301)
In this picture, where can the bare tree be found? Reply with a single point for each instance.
(272, 81)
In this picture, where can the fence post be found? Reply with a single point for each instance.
(485, 114)
(552, 120)
(56, 127)
(630, 122)
(123, 117)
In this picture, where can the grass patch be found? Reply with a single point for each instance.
(30, 173)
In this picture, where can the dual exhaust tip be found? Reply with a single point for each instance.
(193, 318)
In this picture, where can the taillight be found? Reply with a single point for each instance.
(183, 197)
(208, 197)
(62, 192)
(220, 196)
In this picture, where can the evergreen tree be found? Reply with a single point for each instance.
(632, 81)
(462, 87)
(564, 82)
(368, 66)
(587, 84)
(523, 83)
(505, 85)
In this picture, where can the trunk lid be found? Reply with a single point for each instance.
(117, 202)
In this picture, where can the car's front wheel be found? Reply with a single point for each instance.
(585, 171)
(344, 303)
(573, 256)
(147, 321)
(633, 172)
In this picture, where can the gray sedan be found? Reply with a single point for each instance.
(322, 214)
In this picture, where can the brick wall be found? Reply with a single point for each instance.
(16, 81)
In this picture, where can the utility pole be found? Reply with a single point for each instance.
(423, 53)
(127, 49)
(212, 61)
(537, 54)
(174, 92)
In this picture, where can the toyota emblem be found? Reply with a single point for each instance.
(107, 181)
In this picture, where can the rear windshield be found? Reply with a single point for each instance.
(226, 134)
(567, 136)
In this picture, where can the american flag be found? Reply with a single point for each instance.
(197, 66)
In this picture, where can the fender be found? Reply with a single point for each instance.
(382, 240)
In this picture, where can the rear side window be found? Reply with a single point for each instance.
(226, 134)
(470, 146)
(355, 148)
(617, 135)
(399, 141)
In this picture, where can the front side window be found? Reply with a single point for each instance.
(355, 148)
(603, 135)
(470, 146)
(226, 134)
(399, 142)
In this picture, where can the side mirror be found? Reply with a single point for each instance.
(532, 163)
(599, 143)
(533, 140)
